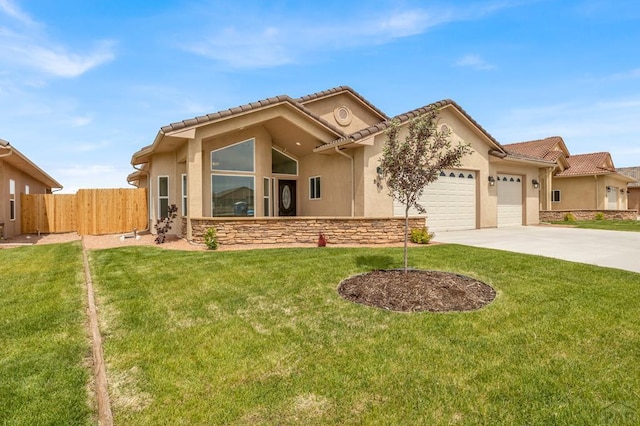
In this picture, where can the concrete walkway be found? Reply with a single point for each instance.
(614, 249)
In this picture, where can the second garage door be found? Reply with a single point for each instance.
(450, 201)
(509, 200)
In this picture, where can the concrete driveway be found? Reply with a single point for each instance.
(614, 249)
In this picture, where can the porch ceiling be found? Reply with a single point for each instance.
(290, 137)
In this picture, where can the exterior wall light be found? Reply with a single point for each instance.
(492, 181)
(535, 183)
(378, 180)
(608, 189)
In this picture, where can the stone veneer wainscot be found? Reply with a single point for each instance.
(558, 215)
(303, 230)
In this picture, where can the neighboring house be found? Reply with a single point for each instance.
(574, 182)
(18, 175)
(633, 188)
(318, 155)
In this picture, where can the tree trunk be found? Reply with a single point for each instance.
(406, 237)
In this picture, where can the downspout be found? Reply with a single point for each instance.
(353, 180)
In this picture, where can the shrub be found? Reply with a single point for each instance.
(163, 225)
(322, 240)
(421, 235)
(211, 239)
(569, 217)
(599, 216)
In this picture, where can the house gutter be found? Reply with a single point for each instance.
(353, 180)
(7, 147)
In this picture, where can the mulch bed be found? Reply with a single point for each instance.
(417, 291)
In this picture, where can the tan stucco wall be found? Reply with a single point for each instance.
(579, 193)
(589, 192)
(335, 185)
(12, 227)
(361, 116)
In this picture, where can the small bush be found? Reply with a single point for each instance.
(569, 217)
(211, 239)
(599, 216)
(322, 240)
(421, 235)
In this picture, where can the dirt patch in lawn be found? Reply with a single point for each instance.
(417, 290)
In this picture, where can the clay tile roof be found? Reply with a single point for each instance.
(632, 172)
(588, 164)
(179, 125)
(383, 125)
(541, 148)
(334, 90)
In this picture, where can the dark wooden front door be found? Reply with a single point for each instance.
(287, 197)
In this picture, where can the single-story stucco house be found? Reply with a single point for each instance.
(633, 188)
(318, 156)
(575, 182)
(18, 175)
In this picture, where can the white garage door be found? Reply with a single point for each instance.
(450, 201)
(509, 200)
(612, 198)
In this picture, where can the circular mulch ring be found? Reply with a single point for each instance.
(417, 291)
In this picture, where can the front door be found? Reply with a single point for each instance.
(287, 197)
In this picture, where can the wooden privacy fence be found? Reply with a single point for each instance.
(88, 212)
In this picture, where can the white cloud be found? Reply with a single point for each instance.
(275, 45)
(24, 44)
(10, 9)
(474, 61)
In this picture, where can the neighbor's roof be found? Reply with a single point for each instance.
(21, 162)
(595, 163)
(633, 173)
(540, 148)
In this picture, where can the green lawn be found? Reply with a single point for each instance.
(44, 348)
(612, 225)
(261, 337)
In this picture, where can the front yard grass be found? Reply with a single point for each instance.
(611, 225)
(262, 337)
(43, 343)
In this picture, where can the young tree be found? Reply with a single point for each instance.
(409, 165)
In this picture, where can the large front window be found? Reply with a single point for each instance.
(232, 191)
(234, 158)
(232, 195)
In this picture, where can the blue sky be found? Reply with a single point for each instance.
(85, 84)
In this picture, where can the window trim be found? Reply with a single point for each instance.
(183, 180)
(223, 171)
(12, 200)
(162, 197)
(553, 198)
(312, 188)
(234, 175)
(266, 197)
